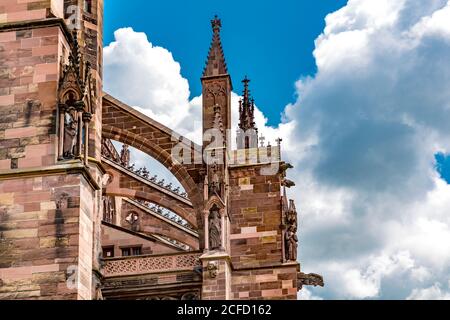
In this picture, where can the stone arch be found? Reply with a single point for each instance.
(156, 152)
(126, 125)
(214, 200)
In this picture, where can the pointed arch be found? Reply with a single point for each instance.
(128, 126)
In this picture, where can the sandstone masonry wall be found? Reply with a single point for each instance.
(256, 237)
(40, 237)
(119, 239)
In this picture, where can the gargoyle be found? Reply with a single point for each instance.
(288, 183)
(311, 279)
(285, 167)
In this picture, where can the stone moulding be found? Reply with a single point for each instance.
(68, 168)
(33, 24)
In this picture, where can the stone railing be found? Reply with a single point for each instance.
(116, 267)
(145, 174)
(165, 213)
(263, 155)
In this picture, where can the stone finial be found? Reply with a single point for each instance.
(215, 64)
(216, 24)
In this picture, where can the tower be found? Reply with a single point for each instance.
(217, 88)
(50, 132)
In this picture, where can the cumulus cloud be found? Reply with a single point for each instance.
(432, 293)
(362, 136)
(376, 114)
(147, 77)
(305, 294)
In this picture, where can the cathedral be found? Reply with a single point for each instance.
(79, 220)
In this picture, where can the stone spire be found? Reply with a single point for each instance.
(215, 65)
(247, 109)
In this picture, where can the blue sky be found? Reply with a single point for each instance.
(443, 166)
(257, 38)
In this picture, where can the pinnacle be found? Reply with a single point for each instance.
(215, 63)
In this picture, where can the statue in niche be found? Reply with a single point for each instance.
(125, 156)
(70, 136)
(215, 229)
(291, 240)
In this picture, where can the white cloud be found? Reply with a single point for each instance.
(362, 136)
(146, 76)
(438, 23)
(376, 112)
(306, 294)
(432, 293)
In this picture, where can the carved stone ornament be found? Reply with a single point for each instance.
(213, 269)
(70, 135)
(62, 201)
(76, 101)
(108, 209)
(125, 156)
(190, 296)
(215, 180)
(132, 218)
(311, 279)
(291, 240)
(107, 179)
(290, 235)
(215, 90)
(215, 229)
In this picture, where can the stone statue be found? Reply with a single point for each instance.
(215, 230)
(108, 210)
(215, 180)
(291, 214)
(125, 156)
(291, 240)
(70, 137)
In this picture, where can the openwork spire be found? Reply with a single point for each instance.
(215, 65)
(247, 109)
(247, 133)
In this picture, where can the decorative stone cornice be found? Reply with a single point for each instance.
(34, 24)
(72, 167)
